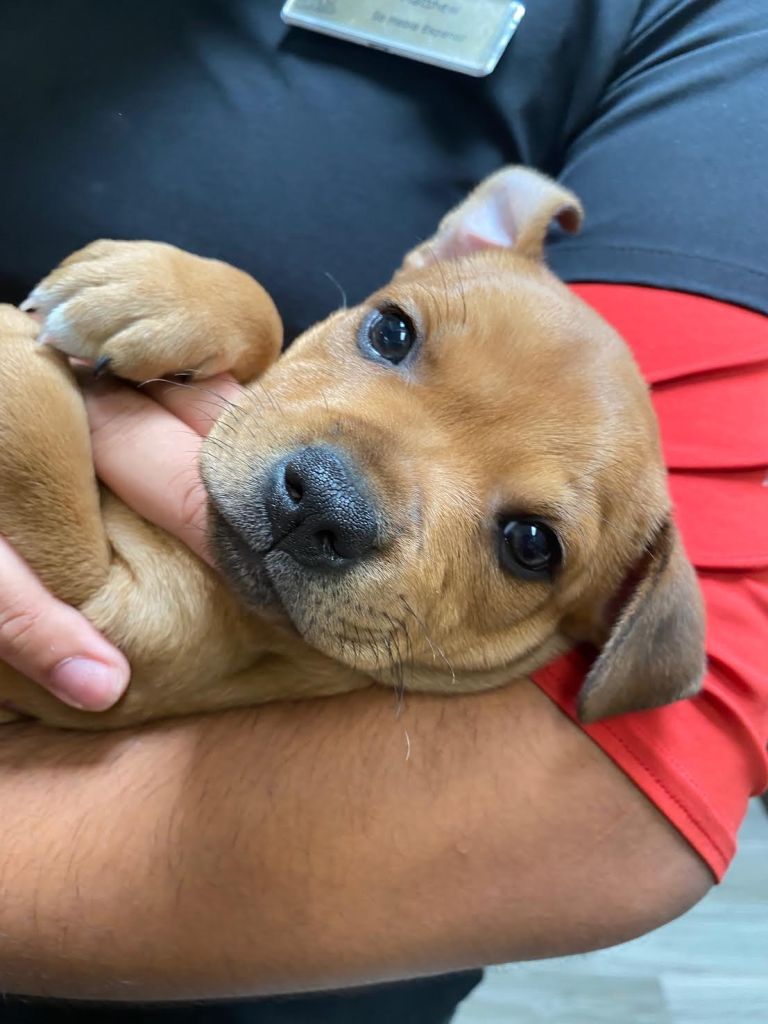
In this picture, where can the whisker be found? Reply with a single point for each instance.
(357, 647)
(219, 442)
(198, 387)
(270, 398)
(343, 294)
(462, 292)
(400, 670)
(436, 649)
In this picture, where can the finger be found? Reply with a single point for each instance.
(198, 405)
(149, 459)
(54, 645)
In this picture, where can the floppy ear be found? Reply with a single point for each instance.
(511, 210)
(655, 652)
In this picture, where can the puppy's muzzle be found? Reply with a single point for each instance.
(319, 509)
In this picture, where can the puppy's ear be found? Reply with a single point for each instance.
(511, 210)
(655, 652)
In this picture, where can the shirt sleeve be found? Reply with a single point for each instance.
(700, 760)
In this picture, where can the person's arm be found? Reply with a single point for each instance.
(313, 845)
(299, 847)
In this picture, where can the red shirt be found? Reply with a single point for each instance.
(700, 760)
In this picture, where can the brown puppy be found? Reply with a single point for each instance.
(440, 490)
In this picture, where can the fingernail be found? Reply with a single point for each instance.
(87, 684)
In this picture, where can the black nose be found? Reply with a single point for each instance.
(319, 509)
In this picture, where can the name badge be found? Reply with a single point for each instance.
(462, 35)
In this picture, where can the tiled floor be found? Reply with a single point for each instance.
(708, 967)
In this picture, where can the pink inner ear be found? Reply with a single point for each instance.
(510, 210)
(483, 224)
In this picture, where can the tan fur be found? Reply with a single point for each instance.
(522, 400)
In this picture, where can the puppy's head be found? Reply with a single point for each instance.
(457, 480)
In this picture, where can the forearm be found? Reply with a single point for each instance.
(300, 847)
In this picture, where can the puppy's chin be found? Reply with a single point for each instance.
(269, 581)
(244, 569)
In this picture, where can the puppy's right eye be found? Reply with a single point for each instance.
(390, 334)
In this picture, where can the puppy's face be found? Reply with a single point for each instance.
(445, 486)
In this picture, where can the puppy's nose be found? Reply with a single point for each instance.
(319, 510)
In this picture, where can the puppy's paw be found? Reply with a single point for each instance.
(144, 310)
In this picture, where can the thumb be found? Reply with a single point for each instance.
(53, 644)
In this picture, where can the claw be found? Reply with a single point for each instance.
(100, 367)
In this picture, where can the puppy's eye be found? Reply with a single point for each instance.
(530, 549)
(391, 334)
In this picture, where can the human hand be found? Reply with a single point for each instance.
(145, 449)
(53, 644)
(146, 445)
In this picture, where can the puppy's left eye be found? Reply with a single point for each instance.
(530, 549)
(390, 333)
